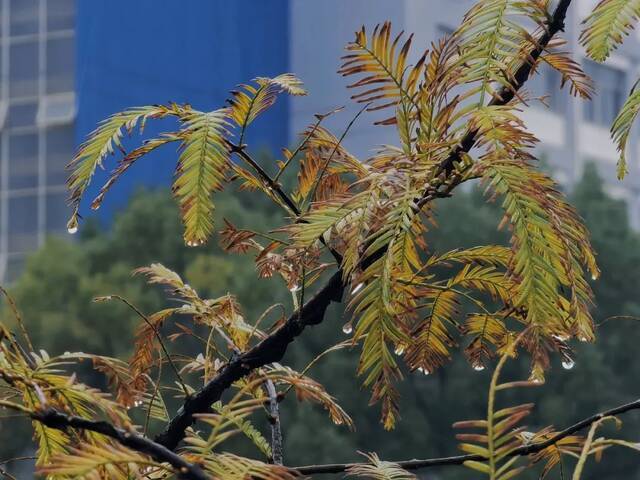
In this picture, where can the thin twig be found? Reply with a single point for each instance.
(268, 350)
(158, 337)
(333, 152)
(266, 178)
(274, 421)
(320, 118)
(460, 459)
(60, 421)
(6, 474)
(18, 317)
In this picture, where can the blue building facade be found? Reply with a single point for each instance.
(67, 64)
(156, 51)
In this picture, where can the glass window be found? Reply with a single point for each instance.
(23, 69)
(59, 151)
(57, 213)
(23, 224)
(60, 14)
(23, 161)
(60, 65)
(610, 93)
(3, 113)
(23, 17)
(22, 114)
(56, 109)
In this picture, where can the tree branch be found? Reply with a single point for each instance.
(272, 184)
(506, 94)
(460, 459)
(60, 421)
(274, 420)
(272, 348)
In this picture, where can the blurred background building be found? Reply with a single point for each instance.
(66, 64)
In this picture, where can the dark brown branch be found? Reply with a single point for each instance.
(272, 348)
(506, 94)
(273, 185)
(460, 459)
(60, 421)
(277, 188)
(274, 421)
(269, 350)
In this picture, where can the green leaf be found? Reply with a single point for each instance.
(202, 167)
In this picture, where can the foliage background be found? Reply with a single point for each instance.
(56, 290)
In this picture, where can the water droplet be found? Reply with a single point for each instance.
(583, 339)
(137, 403)
(424, 371)
(357, 288)
(347, 328)
(478, 367)
(294, 288)
(594, 277)
(337, 421)
(534, 379)
(568, 363)
(72, 224)
(399, 350)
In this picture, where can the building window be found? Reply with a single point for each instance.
(60, 65)
(3, 115)
(610, 87)
(60, 15)
(57, 109)
(23, 161)
(59, 147)
(23, 17)
(23, 69)
(22, 114)
(57, 213)
(546, 83)
(23, 224)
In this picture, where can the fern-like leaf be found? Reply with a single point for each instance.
(251, 100)
(491, 36)
(386, 82)
(607, 26)
(377, 469)
(500, 432)
(202, 166)
(227, 466)
(621, 128)
(580, 84)
(96, 462)
(103, 141)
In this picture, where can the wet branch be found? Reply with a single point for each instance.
(274, 421)
(60, 421)
(272, 348)
(526, 449)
